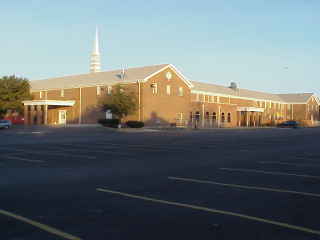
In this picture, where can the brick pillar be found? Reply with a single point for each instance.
(26, 114)
(39, 115)
(32, 114)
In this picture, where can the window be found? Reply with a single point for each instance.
(197, 116)
(214, 116)
(98, 90)
(229, 117)
(62, 93)
(168, 90)
(40, 94)
(207, 115)
(210, 99)
(180, 91)
(218, 99)
(109, 90)
(154, 87)
(223, 118)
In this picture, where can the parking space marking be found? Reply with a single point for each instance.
(244, 186)
(55, 153)
(24, 159)
(290, 164)
(211, 210)
(271, 173)
(40, 225)
(92, 151)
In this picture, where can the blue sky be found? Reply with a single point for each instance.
(267, 45)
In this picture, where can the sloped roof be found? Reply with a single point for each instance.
(296, 97)
(245, 93)
(93, 79)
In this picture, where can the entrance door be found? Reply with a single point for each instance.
(62, 116)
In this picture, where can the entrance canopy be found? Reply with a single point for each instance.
(250, 109)
(48, 102)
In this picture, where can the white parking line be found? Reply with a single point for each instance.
(24, 159)
(210, 210)
(244, 187)
(92, 151)
(38, 225)
(290, 164)
(55, 153)
(271, 173)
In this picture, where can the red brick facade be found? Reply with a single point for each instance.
(164, 101)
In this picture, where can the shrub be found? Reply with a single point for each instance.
(135, 124)
(113, 123)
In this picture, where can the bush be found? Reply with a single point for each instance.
(135, 124)
(113, 123)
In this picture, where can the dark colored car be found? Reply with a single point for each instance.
(289, 124)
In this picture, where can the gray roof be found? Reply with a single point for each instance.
(141, 73)
(245, 93)
(296, 97)
(94, 79)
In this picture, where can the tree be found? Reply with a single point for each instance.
(121, 103)
(13, 90)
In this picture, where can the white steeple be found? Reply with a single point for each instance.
(95, 65)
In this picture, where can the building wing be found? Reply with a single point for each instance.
(239, 92)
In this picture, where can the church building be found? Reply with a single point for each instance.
(165, 97)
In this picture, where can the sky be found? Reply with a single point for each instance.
(265, 45)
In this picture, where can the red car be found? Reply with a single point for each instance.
(15, 119)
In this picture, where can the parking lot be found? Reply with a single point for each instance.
(94, 183)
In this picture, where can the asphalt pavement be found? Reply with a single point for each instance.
(95, 184)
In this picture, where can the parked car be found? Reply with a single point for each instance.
(15, 119)
(289, 124)
(5, 123)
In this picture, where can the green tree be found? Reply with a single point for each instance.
(13, 90)
(122, 102)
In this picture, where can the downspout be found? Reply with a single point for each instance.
(139, 97)
(80, 105)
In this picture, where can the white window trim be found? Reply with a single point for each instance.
(181, 93)
(168, 90)
(154, 88)
(109, 90)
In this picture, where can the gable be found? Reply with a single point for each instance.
(166, 71)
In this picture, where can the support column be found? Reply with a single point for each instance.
(32, 114)
(45, 120)
(26, 114)
(247, 118)
(39, 114)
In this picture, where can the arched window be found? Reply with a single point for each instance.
(197, 115)
(229, 117)
(214, 116)
(223, 118)
(207, 115)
